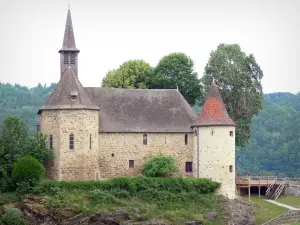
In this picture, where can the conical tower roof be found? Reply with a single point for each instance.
(214, 112)
(69, 39)
(68, 94)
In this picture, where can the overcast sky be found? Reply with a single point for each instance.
(110, 32)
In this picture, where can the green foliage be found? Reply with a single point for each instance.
(177, 70)
(23, 102)
(238, 77)
(134, 185)
(131, 74)
(275, 143)
(173, 71)
(27, 172)
(13, 216)
(16, 142)
(158, 166)
(174, 199)
(8, 197)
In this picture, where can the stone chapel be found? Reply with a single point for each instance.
(98, 133)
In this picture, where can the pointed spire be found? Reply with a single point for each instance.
(214, 112)
(69, 38)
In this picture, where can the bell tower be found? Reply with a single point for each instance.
(69, 52)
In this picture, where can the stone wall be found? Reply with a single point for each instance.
(217, 157)
(49, 125)
(81, 163)
(292, 190)
(116, 149)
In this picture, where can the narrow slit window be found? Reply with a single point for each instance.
(51, 142)
(72, 58)
(131, 163)
(231, 133)
(186, 139)
(165, 140)
(66, 58)
(230, 168)
(188, 167)
(145, 139)
(90, 141)
(71, 141)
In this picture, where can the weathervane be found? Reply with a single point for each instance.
(69, 4)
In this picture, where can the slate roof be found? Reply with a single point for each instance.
(69, 38)
(213, 112)
(141, 110)
(61, 95)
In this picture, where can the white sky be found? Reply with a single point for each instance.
(110, 32)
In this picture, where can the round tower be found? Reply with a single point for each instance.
(214, 151)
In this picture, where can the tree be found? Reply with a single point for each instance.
(238, 77)
(131, 74)
(176, 70)
(16, 142)
(158, 166)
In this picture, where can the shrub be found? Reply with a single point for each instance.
(13, 216)
(159, 166)
(27, 172)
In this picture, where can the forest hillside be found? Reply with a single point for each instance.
(274, 146)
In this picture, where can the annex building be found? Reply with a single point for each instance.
(98, 133)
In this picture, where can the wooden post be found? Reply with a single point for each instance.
(259, 174)
(249, 185)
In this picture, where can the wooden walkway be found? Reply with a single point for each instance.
(273, 184)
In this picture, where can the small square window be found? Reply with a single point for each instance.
(231, 133)
(131, 163)
(74, 95)
(188, 167)
(145, 139)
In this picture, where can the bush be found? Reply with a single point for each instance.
(159, 166)
(27, 172)
(13, 216)
(134, 185)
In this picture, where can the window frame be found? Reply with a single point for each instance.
(186, 139)
(131, 163)
(51, 142)
(145, 139)
(71, 141)
(189, 167)
(90, 141)
(231, 133)
(230, 168)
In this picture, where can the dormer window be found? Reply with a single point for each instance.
(74, 95)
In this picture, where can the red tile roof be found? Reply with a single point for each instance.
(213, 112)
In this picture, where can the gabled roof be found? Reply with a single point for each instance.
(142, 110)
(61, 95)
(69, 39)
(214, 112)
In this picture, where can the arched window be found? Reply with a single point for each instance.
(51, 142)
(71, 141)
(90, 141)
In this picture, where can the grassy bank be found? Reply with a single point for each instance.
(289, 200)
(173, 200)
(265, 211)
